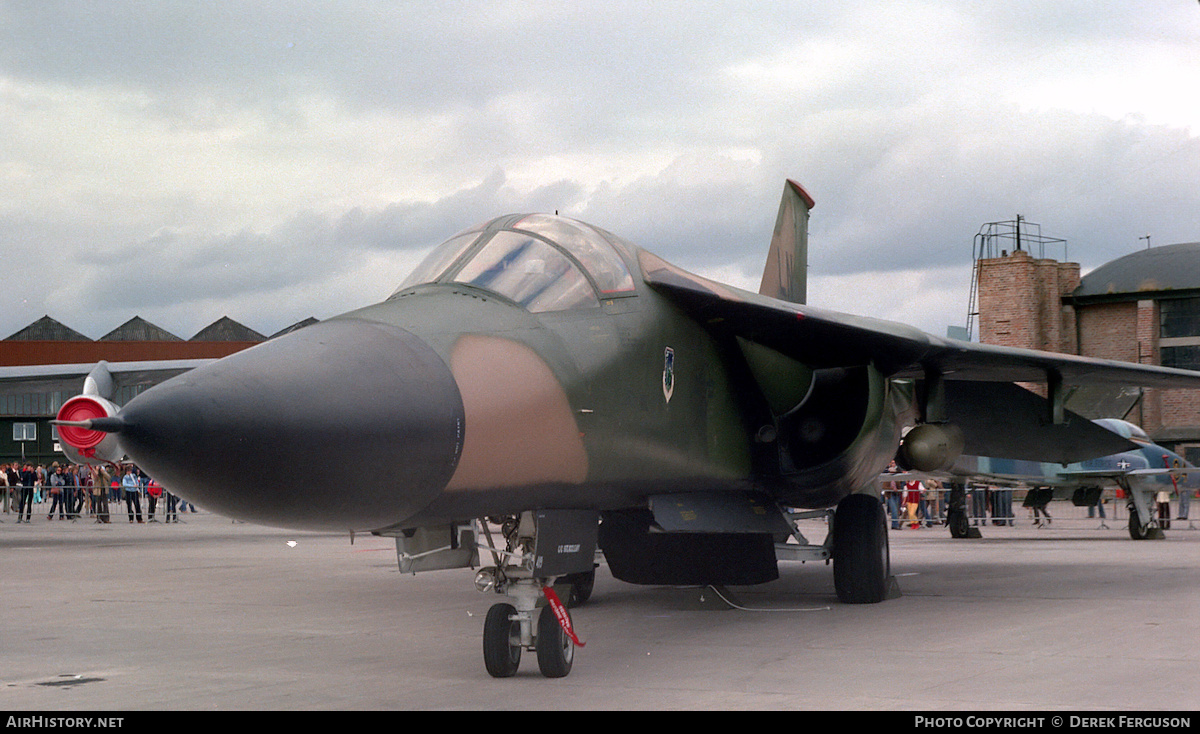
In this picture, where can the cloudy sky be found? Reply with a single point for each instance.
(272, 161)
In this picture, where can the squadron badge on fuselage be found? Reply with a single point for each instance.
(668, 380)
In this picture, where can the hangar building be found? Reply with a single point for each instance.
(26, 409)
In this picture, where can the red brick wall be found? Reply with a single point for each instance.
(1179, 409)
(1109, 331)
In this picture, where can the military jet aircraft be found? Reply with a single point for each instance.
(575, 391)
(1140, 473)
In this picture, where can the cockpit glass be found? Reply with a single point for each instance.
(440, 258)
(1124, 429)
(588, 246)
(528, 271)
(543, 262)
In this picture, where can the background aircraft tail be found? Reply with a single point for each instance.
(786, 275)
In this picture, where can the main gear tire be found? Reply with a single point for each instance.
(861, 560)
(1138, 530)
(960, 526)
(581, 587)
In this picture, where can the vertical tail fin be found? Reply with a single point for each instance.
(786, 275)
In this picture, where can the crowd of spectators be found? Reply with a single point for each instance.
(74, 492)
(916, 504)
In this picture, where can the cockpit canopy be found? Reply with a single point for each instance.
(1124, 429)
(542, 262)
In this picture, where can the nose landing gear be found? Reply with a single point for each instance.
(510, 628)
(533, 618)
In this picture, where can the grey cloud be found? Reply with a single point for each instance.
(907, 150)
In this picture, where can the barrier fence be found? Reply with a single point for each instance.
(1007, 507)
(1115, 515)
(81, 504)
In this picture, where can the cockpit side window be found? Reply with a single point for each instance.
(439, 259)
(528, 271)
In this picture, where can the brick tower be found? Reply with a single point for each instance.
(1021, 302)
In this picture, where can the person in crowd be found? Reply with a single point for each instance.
(28, 483)
(83, 491)
(70, 492)
(154, 490)
(1039, 502)
(14, 482)
(40, 483)
(1163, 500)
(100, 486)
(132, 489)
(1002, 511)
(979, 501)
(932, 503)
(893, 496)
(58, 496)
(1098, 507)
(912, 502)
(172, 506)
(12, 475)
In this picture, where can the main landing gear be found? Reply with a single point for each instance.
(956, 513)
(1143, 528)
(534, 618)
(862, 570)
(1142, 524)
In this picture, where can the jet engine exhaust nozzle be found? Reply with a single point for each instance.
(86, 425)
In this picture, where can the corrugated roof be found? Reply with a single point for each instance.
(1166, 268)
(47, 329)
(138, 329)
(226, 329)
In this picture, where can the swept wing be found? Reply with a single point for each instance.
(972, 386)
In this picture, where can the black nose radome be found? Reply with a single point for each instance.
(345, 424)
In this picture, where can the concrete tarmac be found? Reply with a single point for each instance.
(214, 615)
